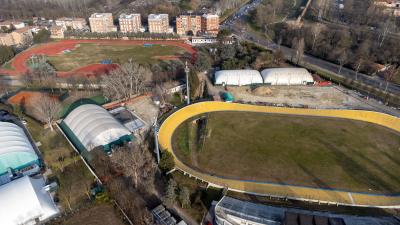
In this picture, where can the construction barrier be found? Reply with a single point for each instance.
(279, 190)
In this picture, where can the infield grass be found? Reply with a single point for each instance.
(89, 53)
(297, 150)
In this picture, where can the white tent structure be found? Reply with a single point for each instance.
(286, 76)
(25, 201)
(16, 151)
(94, 126)
(238, 77)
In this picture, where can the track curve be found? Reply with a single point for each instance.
(269, 189)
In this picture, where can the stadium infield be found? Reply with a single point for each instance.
(310, 185)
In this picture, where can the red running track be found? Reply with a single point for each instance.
(50, 49)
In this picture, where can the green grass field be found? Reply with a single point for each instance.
(298, 150)
(89, 53)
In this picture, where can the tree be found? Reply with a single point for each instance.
(137, 163)
(42, 36)
(125, 81)
(227, 52)
(6, 53)
(184, 196)
(392, 72)
(343, 58)
(47, 109)
(202, 63)
(167, 161)
(170, 194)
(316, 31)
(299, 46)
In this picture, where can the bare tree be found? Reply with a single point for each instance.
(125, 81)
(316, 31)
(387, 26)
(299, 50)
(342, 59)
(47, 109)
(136, 162)
(392, 72)
(184, 196)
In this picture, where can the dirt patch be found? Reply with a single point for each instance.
(27, 97)
(99, 214)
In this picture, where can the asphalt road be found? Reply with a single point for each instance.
(232, 24)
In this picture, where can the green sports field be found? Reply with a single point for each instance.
(298, 150)
(89, 53)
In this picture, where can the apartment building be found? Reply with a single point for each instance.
(102, 23)
(130, 23)
(57, 31)
(159, 23)
(188, 23)
(210, 24)
(17, 38)
(73, 23)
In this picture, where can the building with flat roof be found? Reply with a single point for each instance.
(102, 23)
(26, 200)
(158, 23)
(130, 23)
(72, 23)
(231, 211)
(17, 155)
(210, 24)
(188, 23)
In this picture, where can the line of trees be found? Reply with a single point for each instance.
(140, 35)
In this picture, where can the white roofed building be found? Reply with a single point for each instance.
(16, 151)
(89, 126)
(287, 76)
(26, 201)
(238, 77)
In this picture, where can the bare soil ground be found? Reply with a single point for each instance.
(145, 109)
(102, 214)
(311, 96)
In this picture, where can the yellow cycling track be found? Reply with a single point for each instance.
(269, 189)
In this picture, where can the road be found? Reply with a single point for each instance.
(233, 22)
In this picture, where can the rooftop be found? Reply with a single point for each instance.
(128, 16)
(158, 16)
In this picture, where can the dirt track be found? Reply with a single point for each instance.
(50, 49)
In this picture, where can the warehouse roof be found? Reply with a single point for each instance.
(24, 200)
(238, 77)
(94, 126)
(15, 147)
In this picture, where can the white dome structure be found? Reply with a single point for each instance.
(26, 201)
(238, 77)
(16, 151)
(94, 126)
(287, 76)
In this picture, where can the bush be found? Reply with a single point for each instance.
(167, 161)
(42, 36)
(6, 53)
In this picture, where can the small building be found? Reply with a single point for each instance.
(163, 217)
(130, 120)
(287, 76)
(203, 40)
(238, 77)
(57, 31)
(26, 200)
(17, 155)
(89, 126)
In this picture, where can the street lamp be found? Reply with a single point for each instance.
(157, 150)
(187, 84)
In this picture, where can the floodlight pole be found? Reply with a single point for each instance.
(157, 150)
(187, 84)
